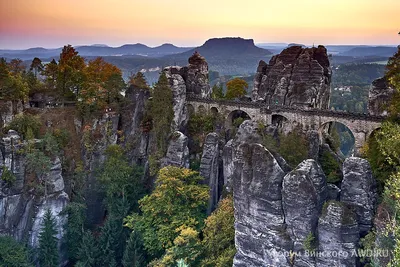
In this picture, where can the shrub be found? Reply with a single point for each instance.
(24, 124)
(331, 167)
(310, 243)
(7, 176)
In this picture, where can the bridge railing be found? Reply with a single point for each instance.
(265, 108)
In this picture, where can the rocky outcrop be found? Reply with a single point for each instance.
(260, 232)
(379, 96)
(304, 191)
(135, 133)
(338, 236)
(177, 152)
(358, 191)
(21, 209)
(179, 89)
(296, 77)
(8, 110)
(210, 169)
(196, 75)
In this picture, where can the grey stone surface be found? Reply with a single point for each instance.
(178, 86)
(379, 96)
(259, 219)
(337, 233)
(296, 77)
(178, 151)
(303, 193)
(210, 168)
(358, 191)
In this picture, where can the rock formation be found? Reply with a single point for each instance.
(278, 211)
(135, 134)
(296, 77)
(358, 191)
(21, 210)
(179, 90)
(177, 152)
(379, 96)
(210, 169)
(338, 236)
(191, 79)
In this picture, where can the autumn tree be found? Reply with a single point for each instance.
(12, 85)
(70, 72)
(103, 86)
(16, 66)
(236, 88)
(139, 81)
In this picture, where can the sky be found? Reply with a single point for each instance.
(54, 23)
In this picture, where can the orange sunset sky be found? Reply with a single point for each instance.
(53, 23)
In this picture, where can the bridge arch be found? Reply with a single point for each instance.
(214, 110)
(235, 116)
(201, 109)
(278, 120)
(347, 137)
(190, 109)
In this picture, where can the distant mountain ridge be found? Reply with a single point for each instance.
(98, 50)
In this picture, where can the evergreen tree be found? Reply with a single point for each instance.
(217, 92)
(48, 251)
(138, 81)
(161, 112)
(134, 254)
(74, 229)
(88, 251)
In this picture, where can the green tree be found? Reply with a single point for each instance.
(236, 88)
(134, 255)
(293, 147)
(39, 164)
(13, 254)
(25, 123)
(177, 200)
(74, 229)
(48, 249)
(217, 92)
(16, 66)
(161, 113)
(120, 179)
(219, 236)
(12, 85)
(88, 252)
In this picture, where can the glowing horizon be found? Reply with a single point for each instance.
(54, 23)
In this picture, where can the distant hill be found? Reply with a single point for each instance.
(227, 55)
(385, 51)
(97, 50)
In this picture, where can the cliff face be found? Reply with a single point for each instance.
(296, 77)
(379, 96)
(278, 210)
(21, 210)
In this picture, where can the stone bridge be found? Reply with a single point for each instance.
(361, 125)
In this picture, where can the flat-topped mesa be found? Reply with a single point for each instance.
(379, 96)
(296, 77)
